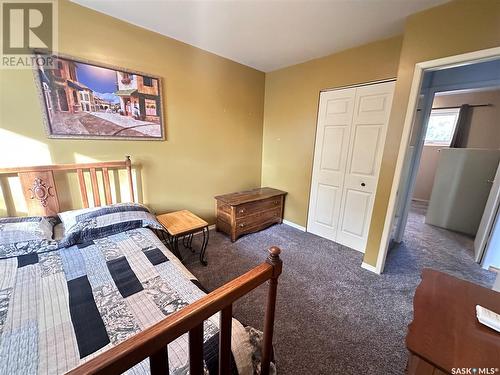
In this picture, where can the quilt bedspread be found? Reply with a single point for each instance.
(59, 308)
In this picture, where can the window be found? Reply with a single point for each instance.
(126, 79)
(58, 71)
(148, 81)
(150, 107)
(441, 126)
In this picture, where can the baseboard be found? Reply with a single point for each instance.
(370, 268)
(293, 225)
(210, 227)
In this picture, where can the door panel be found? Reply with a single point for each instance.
(487, 220)
(325, 205)
(369, 125)
(330, 158)
(332, 148)
(357, 203)
(365, 148)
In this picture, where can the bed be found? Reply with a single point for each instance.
(108, 296)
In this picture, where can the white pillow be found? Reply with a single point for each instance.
(21, 229)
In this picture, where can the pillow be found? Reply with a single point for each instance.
(85, 225)
(23, 229)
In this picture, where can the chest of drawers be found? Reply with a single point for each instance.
(249, 211)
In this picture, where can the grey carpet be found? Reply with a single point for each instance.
(333, 317)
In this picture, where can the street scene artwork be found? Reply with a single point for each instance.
(84, 100)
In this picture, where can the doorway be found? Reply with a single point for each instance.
(451, 159)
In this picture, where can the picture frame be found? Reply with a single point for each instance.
(83, 99)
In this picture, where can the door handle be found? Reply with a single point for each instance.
(363, 184)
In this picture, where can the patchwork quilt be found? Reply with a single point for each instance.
(60, 307)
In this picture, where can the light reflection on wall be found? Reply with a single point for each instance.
(17, 151)
(80, 158)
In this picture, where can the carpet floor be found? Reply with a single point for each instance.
(333, 317)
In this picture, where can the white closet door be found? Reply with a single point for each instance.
(332, 141)
(369, 126)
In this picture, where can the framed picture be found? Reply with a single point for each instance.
(88, 100)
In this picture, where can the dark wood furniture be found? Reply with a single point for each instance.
(184, 224)
(249, 211)
(41, 196)
(445, 333)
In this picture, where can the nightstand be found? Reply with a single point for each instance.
(184, 224)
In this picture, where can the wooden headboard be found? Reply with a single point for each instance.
(40, 191)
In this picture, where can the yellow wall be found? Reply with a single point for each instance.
(451, 29)
(213, 108)
(291, 105)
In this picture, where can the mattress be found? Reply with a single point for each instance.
(61, 307)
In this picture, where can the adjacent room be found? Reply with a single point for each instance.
(449, 196)
(250, 187)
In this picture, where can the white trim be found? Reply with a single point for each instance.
(442, 63)
(370, 268)
(210, 227)
(359, 84)
(293, 225)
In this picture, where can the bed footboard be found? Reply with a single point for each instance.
(153, 341)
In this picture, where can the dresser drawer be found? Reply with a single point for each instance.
(258, 220)
(255, 207)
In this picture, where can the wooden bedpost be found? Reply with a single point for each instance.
(274, 260)
(128, 165)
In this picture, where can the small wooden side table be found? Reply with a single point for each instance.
(184, 224)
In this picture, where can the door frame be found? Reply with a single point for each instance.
(489, 219)
(420, 69)
(355, 85)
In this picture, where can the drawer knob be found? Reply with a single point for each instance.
(363, 184)
(241, 225)
(242, 210)
(276, 202)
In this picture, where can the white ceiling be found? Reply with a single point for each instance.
(267, 35)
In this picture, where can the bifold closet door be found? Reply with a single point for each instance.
(330, 157)
(352, 125)
(369, 126)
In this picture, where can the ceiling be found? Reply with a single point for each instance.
(267, 35)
